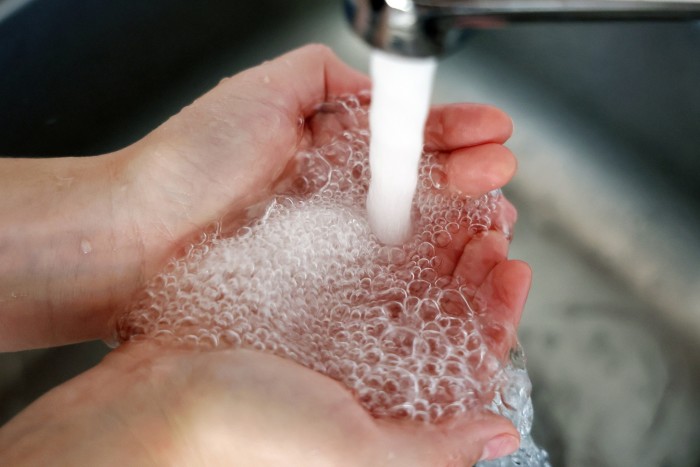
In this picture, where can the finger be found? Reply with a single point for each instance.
(463, 441)
(502, 220)
(450, 254)
(292, 85)
(306, 77)
(479, 257)
(455, 126)
(477, 170)
(504, 217)
(504, 292)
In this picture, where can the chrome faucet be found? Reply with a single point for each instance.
(424, 28)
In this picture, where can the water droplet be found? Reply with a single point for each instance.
(85, 247)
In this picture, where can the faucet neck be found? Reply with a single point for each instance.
(432, 27)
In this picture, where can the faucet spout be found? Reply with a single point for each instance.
(423, 28)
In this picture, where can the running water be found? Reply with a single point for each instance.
(401, 89)
(307, 280)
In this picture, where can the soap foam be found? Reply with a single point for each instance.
(307, 280)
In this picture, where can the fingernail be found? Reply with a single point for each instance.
(500, 446)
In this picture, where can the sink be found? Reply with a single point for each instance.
(607, 122)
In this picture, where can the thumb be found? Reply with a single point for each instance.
(463, 441)
(295, 82)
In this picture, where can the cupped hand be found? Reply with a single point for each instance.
(150, 404)
(227, 150)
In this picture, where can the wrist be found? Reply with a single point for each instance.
(70, 252)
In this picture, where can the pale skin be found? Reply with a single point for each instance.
(79, 236)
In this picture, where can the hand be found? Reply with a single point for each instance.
(147, 404)
(112, 221)
(150, 405)
(225, 152)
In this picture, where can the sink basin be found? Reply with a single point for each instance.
(607, 133)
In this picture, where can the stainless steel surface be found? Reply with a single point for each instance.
(432, 27)
(8, 7)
